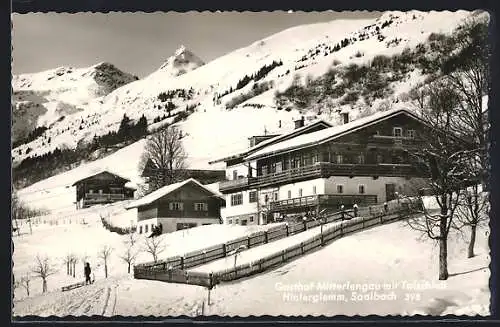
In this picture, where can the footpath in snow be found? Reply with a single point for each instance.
(253, 254)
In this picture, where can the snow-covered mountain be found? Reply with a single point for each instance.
(41, 99)
(182, 62)
(232, 97)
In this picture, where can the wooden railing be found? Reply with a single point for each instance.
(327, 169)
(104, 196)
(322, 200)
(236, 183)
(176, 269)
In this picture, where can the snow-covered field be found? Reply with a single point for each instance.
(392, 254)
(72, 236)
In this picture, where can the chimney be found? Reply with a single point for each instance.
(345, 117)
(299, 123)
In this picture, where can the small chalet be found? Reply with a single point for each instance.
(101, 188)
(178, 206)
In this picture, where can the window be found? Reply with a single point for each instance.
(380, 158)
(300, 192)
(100, 191)
(339, 158)
(266, 198)
(181, 226)
(236, 199)
(264, 170)
(152, 227)
(200, 206)
(361, 158)
(91, 191)
(289, 194)
(175, 206)
(243, 222)
(140, 229)
(340, 188)
(235, 174)
(145, 228)
(361, 189)
(250, 219)
(410, 133)
(397, 132)
(314, 189)
(237, 221)
(230, 221)
(252, 196)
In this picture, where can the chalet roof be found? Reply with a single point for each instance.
(165, 190)
(328, 134)
(92, 174)
(273, 140)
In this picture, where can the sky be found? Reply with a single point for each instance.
(139, 43)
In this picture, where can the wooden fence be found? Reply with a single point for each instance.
(174, 269)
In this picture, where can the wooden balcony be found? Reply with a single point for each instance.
(97, 198)
(322, 200)
(326, 169)
(236, 184)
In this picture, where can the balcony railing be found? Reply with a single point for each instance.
(326, 169)
(322, 200)
(236, 183)
(321, 170)
(103, 197)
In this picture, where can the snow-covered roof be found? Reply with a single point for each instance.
(95, 173)
(273, 140)
(327, 134)
(159, 193)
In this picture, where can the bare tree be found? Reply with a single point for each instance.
(154, 246)
(472, 212)
(43, 269)
(444, 158)
(129, 257)
(104, 254)
(468, 72)
(131, 238)
(25, 283)
(165, 152)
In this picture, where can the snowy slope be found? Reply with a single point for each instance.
(391, 254)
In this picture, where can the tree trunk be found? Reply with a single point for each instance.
(17, 227)
(31, 230)
(74, 269)
(44, 286)
(128, 268)
(106, 270)
(443, 261)
(472, 241)
(67, 268)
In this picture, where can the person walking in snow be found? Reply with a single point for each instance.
(386, 207)
(87, 272)
(342, 211)
(355, 207)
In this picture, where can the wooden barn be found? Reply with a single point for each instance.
(178, 206)
(101, 188)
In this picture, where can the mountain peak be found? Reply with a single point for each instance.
(181, 62)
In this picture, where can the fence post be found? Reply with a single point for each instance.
(248, 242)
(302, 247)
(224, 252)
(182, 262)
(265, 236)
(287, 233)
(283, 256)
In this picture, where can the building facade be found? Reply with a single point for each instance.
(365, 161)
(178, 206)
(102, 188)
